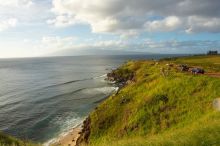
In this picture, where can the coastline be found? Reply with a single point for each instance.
(69, 139)
(82, 133)
(75, 135)
(83, 137)
(82, 130)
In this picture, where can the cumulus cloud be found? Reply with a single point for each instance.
(10, 10)
(168, 24)
(6, 24)
(123, 16)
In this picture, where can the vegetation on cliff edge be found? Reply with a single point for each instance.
(161, 106)
(6, 140)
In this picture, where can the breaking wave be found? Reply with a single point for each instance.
(102, 90)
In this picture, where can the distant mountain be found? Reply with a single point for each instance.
(72, 52)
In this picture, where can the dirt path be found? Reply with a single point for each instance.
(216, 75)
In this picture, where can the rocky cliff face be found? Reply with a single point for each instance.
(84, 135)
(119, 76)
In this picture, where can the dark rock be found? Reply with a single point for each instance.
(124, 101)
(84, 135)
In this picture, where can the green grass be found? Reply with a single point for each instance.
(157, 110)
(209, 63)
(6, 140)
(202, 132)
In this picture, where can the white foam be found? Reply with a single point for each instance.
(103, 90)
(102, 76)
(72, 120)
(66, 128)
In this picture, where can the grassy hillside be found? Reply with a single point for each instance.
(209, 63)
(6, 140)
(160, 106)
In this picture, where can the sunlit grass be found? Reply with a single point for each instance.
(175, 109)
(6, 140)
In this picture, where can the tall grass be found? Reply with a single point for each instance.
(175, 109)
(6, 140)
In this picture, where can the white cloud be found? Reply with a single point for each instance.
(54, 43)
(121, 16)
(149, 46)
(168, 24)
(69, 46)
(29, 47)
(15, 3)
(10, 10)
(62, 21)
(64, 46)
(27, 12)
(6, 24)
(102, 16)
(198, 24)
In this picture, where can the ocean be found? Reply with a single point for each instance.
(42, 98)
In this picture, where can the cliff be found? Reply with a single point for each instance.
(158, 105)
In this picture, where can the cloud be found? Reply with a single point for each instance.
(15, 3)
(62, 21)
(69, 46)
(123, 16)
(167, 24)
(53, 43)
(10, 10)
(6, 24)
(29, 47)
(198, 24)
(27, 12)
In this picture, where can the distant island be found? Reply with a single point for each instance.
(159, 103)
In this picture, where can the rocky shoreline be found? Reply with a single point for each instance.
(85, 132)
(120, 78)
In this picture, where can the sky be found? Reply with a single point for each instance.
(33, 28)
